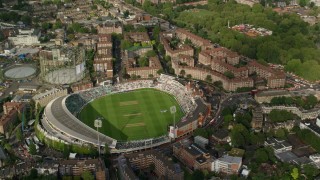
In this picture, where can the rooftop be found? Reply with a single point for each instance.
(231, 159)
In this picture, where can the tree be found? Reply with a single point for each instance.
(200, 132)
(32, 148)
(86, 175)
(143, 62)
(295, 173)
(208, 78)
(125, 44)
(229, 74)
(150, 76)
(33, 174)
(280, 133)
(197, 174)
(228, 118)
(311, 171)
(160, 71)
(126, 14)
(261, 156)
(151, 53)
(182, 73)
(19, 134)
(189, 76)
(8, 147)
(302, 3)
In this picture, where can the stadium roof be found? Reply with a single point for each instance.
(59, 117)
(200, 109)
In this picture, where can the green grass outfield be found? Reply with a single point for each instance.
(133, 115)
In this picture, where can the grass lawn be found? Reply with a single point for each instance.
(133, 115)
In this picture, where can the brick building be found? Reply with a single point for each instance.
(173, 53)
(83, 85)
(11, 111)
(164, 168)
(144, 72)
(103, 58)
(193, 156)
(196, 40)
(137, 37)
(110, 27)
(257, 118)
(275, 79)
(202, 73)
(77, 167)
(225, 55)
(185, 60)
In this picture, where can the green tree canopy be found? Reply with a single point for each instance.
(86, 175)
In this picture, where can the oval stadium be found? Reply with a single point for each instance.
(135, 115)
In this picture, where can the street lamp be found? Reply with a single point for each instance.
(98, 124)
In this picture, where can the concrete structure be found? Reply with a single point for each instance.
(26, 37)
(228, 165)
(62, 65)
(44, 98)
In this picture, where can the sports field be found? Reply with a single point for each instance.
(133, 115)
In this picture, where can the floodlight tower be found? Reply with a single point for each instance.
(173, 111)
(98, 124)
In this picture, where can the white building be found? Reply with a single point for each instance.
(228, 164)
(316, 2)
(26, 37)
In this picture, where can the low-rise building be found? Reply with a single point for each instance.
(103, 59)
(125, 171)
(193, 156)
(279, 146)
(149, 71)
(81, 86)
(196, 40)
(26, 37)
(110, 27)
(257, 118)
(220, 136)
(11, 111)
(201, 141)
(228, 165)
(267, 96)
(77, 167)
(164, 168)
